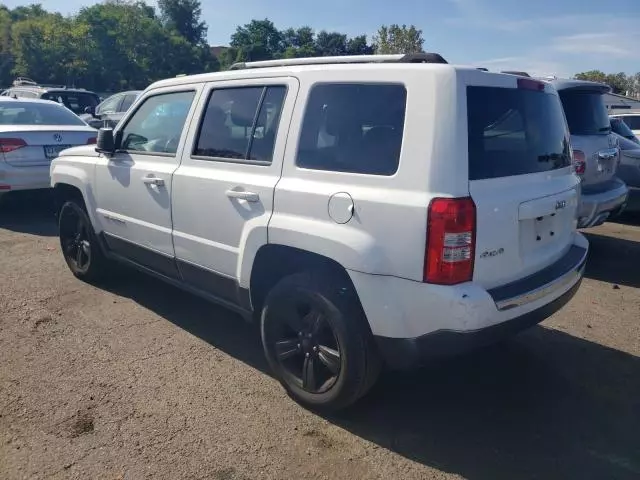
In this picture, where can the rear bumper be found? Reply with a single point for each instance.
(595, 208)
(413, 321)
(23, 178)
(404, 353)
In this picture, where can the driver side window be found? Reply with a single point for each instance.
(157, 124)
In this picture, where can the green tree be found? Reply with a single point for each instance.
(359, 46)
(257, 40)
(6, 55)
(329, 44)
(185, 17)
(398, 39)
(592, 75)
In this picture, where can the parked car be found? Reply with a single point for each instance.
(595, 150)
(631, 118)
(362, 213)
(32, 133)
(110, 111)
(621, 128)
(629, 172)
(75, 99)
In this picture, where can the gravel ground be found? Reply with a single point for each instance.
(139, 380)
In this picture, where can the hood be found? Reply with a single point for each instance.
(81, 151)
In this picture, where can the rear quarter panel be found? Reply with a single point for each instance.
(386, 234)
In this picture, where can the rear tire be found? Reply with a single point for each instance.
(79, 244)
(317, 341)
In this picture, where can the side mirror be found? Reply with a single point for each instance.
(105, 142)
(90, 110)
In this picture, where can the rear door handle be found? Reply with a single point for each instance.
(243, 195)
(151, 180)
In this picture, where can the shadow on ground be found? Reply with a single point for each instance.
(28, 212)
(614, 260)
(546, 405)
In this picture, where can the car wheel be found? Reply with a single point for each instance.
(80, 245)
(317, 341)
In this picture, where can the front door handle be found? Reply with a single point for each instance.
(151, 180)
(243, 195)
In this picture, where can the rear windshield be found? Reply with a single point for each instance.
(515, 132)
(74, 101)
(586, 112)
(632, 121)
(17, 113)
(621, 128)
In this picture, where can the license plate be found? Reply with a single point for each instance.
(52, 151)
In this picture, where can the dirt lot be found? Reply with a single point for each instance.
(139, 380)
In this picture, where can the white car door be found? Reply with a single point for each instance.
(223, 190)
(133, 186)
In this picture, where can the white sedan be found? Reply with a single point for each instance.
(32, 133)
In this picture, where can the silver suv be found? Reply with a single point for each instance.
(596, 153)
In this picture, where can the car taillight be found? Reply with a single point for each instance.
(92, 140)
(10, 144)
(451, 241)
(579, 162)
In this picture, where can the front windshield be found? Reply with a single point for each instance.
(26, 113)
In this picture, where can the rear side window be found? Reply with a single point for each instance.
(633, 121)
(354, 128)
(515, 132)
(621, 128)
(241, 123)
(586, 112)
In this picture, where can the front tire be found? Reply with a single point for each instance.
(317, 341)
(79, 244)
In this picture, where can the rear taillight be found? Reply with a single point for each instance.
(579, 162)
(451, 241)
(92, 140)
(10, 144)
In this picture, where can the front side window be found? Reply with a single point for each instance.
(356, 128)
(241, 123)
(157, 124)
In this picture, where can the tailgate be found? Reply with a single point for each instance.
(520, 179)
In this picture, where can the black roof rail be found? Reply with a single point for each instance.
(515, 72)
(396, 58)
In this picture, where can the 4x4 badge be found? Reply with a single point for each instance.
(561, 204)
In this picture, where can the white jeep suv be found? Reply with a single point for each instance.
(367, 210)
